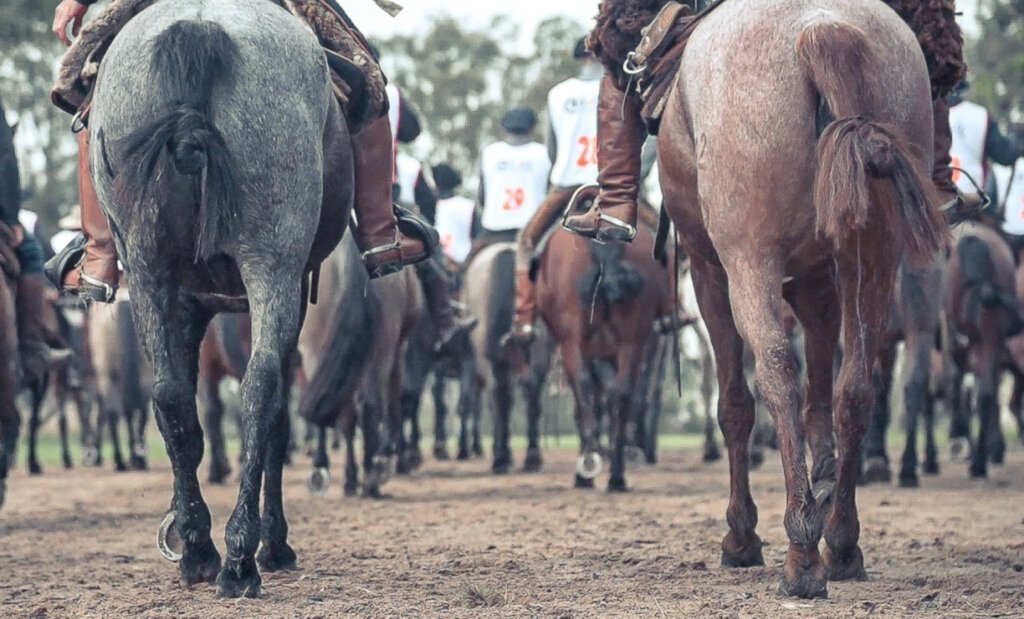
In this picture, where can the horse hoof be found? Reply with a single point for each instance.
(500, 468)
(319, 481)
(371, 491)
(91, 457)
(35, 469)
(978, 471)
(120, 467)
(617, 484)
(713, 454)
(997, 458)
(381, 470)
(68, 465)
(756, 458)
(908, 479)
(462, 456)
(200, 565)
(930, 468)
(3, 491)
(847, 566)
(241, 582)
(735, 554)
(414, 459)
(441, 453)
(806, 583)
(167, 540)
(277, 558)
(589, 465)
(960, 448)
(876, 471)
(582, 482)
(139, 463)
(350, 490)
(534, 462)
(633, 456)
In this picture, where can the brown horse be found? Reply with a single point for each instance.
(9, 418)
(224, 352)
(793, 152)
(600, 303)
(982, 311)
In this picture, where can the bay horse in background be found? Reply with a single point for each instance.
(352, 348)
(123, 383)
(767, 208)
(982, 311)
(600, 303)
(915, 320)
(10, 420)
(224, 352)
(489, 293)
(225, 181)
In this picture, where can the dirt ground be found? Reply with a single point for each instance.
(454, 541)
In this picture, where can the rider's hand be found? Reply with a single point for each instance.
(68, 12)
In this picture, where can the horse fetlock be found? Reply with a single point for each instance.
(276, 556)
(617, 483)
(908, 476)
(804, 524)
(319, 481)
(199, 564)
(534, 461)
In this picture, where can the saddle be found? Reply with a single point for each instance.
(357, 80)
(653, 67)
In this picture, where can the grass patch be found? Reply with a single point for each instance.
(479, 595)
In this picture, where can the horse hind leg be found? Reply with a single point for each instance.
(275, 554)
(758, 313)
(741, 546)
(875, 456)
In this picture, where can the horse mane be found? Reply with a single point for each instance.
(617, 31)
(940, 38)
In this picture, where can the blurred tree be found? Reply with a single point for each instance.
(28, 62)
(996, 58)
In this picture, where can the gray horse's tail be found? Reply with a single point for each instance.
(189, 59)
(855, 149)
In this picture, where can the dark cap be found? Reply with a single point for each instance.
(580, 51)
(519, 120)
(445, 177)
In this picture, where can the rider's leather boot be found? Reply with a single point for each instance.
(620, 138)
(88, 265)
(442, 312)
(522, 333)
(385, 249)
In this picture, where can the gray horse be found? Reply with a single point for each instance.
(224, 165)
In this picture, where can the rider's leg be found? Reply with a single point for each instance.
(436, 290)
(88, 265)
(385, 249)
(38, 330)
(620, 138)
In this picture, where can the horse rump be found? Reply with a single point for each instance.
(855, 151)
(188, 60)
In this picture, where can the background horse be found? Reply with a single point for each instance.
(224, 352)
(982, 311)
(225, 179)
(769, 207)
(600, 303)
(489, 291)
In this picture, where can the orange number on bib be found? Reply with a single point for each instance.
(588, 154)
(447, 240)
(514, 199)
(955, 164)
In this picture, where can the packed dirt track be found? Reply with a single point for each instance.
(455, 541)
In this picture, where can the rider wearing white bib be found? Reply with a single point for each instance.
(513, 179)
(572, 145)
(454, 214)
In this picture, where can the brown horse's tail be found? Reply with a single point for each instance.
(856, 152)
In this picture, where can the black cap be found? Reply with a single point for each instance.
(580, 51)
(445, 177)
(519, 120)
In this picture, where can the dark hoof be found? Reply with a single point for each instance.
(805, 582)
(462, 456)
(652, 458)
(583, 482)
(501, 468)
(441, 452)
(478, 451)
(735, 554)
(276, 558)
(219, 473)
(414, 459)
(534, 462)
(713, 454)
(908, 479)
(930, 468)
(242, 581)
(402, 467)
(200, 565)
(847, 566)
(617, 484)
(3, 491)
(350, 489)
(120, 466)
(34, 469)
(997, 457)
(756, 458)
(68, 465)
(978, 471)
(371, 491)
(139, 463)
(876, 471)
